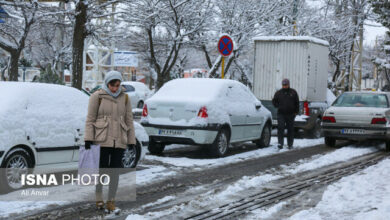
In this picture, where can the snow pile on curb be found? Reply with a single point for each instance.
(339, 155)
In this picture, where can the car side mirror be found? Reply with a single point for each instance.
(258, 106)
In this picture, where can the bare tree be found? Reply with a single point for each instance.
(85, 15)
(159, 30)
(14, 33)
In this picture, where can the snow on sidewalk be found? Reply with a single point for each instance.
(339, 155)
(13, 203)
(361, 196)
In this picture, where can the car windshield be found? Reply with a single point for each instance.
(362, 100)
(129, 88)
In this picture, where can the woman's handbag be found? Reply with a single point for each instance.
(89, 165)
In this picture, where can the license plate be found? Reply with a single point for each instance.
(352, 131)
(274, 122)
(169, 132)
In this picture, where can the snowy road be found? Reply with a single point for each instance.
(180, 183)
(218, 195)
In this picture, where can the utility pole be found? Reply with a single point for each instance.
(375, 72)
(357, 51)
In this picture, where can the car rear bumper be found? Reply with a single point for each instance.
(188, 134)
(370, 133)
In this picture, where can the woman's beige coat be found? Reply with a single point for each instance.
(109, 120)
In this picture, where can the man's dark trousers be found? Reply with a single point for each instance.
(286, 121)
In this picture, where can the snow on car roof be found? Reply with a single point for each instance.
(48, 113)
(13, 94)
(138, 85)
(191, 89)
(292, 38)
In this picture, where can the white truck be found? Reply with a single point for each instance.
(304, 61)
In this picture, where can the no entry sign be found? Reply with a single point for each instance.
(225, 45)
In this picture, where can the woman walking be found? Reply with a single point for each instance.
(109, 124)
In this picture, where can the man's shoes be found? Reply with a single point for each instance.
(290, 147)
(280, 146)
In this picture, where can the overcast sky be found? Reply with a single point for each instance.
(371, 32)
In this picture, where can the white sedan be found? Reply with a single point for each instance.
(208, 112)
(138, 93)
(42, 127)
(358, 116)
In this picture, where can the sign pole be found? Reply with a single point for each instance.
(225, 48)
(223, 68)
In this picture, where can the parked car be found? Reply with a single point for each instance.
(42, 127)
(208, 112)
(302, 59)
(358, 116)
(138, 93)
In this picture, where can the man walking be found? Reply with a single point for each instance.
(286, 100)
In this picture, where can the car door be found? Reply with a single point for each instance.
(236, 115)
(48, 130)
(254, 117)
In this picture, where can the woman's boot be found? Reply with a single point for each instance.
(99, 200)
(110, 207)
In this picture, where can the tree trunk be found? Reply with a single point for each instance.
(229, 63)
(60, 40)
(337, 72)
(207, 56)
(161, 79)
(79, 35)
(4, 69)
(13, 71)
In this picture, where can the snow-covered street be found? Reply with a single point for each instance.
(195, 110)
(247, 185)
(159, 171)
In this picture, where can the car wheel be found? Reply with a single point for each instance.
(131, 156)
(140, 104)
(265, 138)
(156, 148)
(387, 145)
(16, 164)
(221, 144)
(316, 132)
(331, 142)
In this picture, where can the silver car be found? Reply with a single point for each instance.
(358, 116)
(208, 112)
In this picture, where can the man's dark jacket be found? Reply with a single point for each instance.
(286, 101)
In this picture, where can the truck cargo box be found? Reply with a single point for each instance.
(303, 60)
